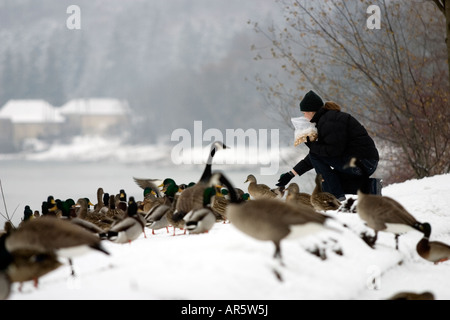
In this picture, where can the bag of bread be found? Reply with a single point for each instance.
(303, 129)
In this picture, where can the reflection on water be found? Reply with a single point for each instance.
(31, 182)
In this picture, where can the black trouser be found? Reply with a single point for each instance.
(339, 178)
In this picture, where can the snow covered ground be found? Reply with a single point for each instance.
(226, 264)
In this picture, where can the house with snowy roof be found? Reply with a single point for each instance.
(22, 119)
(95, 116)
(37, 119)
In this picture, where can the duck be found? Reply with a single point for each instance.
(294, 195)
(200, 220)
(100, 203)
(30, 266)
(52, 207)
(193, 197)
(27, 215)
(271, 219)
(259, 190)
(156, 218)
(219, 202)
(382, 213)
(96, 218)
(152, 184)
(130, 228)
(323, 201)
(433, 251)
(49, 235)
(113, 212)
(65, 209)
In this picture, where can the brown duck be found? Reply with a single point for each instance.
(294, 195)
(321, 200)
(260, 190)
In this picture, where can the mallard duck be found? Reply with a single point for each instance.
(48, 235)
(130, 228)
(260, 191)
(434, 251)
(383, 213)
(115, 213)
(294, 195)
(152, 184)
(271, 219)
(219, 201)
(27, 215)
(193, 197)
(200, 220)
(30, 266)
(321, 200)
(96, 218)
(156, 218)
(52, 207)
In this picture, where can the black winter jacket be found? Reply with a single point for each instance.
(339, 135)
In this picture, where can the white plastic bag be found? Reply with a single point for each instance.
(303, 128)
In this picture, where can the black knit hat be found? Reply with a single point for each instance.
(311, 102)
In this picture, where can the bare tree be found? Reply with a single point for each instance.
(444, 7)
(395, 78)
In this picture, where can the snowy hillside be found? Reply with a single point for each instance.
(226, 264)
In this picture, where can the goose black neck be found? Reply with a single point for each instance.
(231, 190)
(207, 172)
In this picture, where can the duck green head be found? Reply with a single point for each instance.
(170, 190)
(147, 191)
(208, 194)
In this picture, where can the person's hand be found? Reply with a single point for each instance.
(310, 143)
(285, 178)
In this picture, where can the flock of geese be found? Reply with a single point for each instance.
(67, 229)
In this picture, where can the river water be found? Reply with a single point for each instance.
(28, 182)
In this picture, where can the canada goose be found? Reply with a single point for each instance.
(200, 220)
(271, 219)
(156, 218)
(49, 235)
(130, 228)
(294, 195)
(383, 213)
(193, 197)
(259, 190)
(434, 251)
(321, 200)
